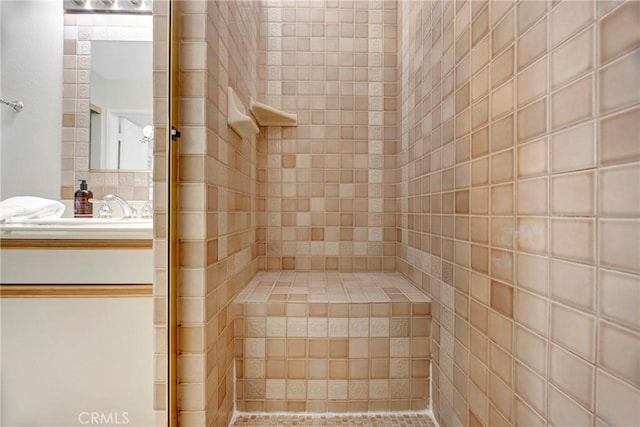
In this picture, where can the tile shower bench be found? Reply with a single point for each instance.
(331, 342)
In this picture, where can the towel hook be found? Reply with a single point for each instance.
(16, 106)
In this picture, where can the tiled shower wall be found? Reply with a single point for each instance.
(327, 187)
(216, 206)
(519, 206)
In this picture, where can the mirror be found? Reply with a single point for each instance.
(121, 105)
(106, 59)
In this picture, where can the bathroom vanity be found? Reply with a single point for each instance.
(76, 311)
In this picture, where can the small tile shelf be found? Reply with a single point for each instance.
(237, 117)
(267, 115)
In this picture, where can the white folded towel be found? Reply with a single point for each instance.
(23, 208)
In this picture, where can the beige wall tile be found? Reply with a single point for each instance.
(480, 55)
(615, 400)
(502, 67)
(618, 244)
(573, 149)
(572, 104)
(502, 134)
(532, 82)
(531, 388)
(573, 284)
(619, 195)
(479, 201)
(533, 44)
(528, 12)
(568, 18)
(532, 121)
(480, 26)
(479, 88)
(502, 232)
(573, 330)
(501, 363)
(532, 311)
(502, 265)
(503, 34)
(617, 31)
(532, 159)
(532, 273)
(563, 410)
(480, 230)
(502, 298)
(532, 197)
(498, 11)
(619, 85)
(619, 352)
(526, 416)
(502, 100)
(532, 235)
(502, 167)
(572, 375)
(502, 199)
(573, 194)
(480, 143)
(619, 297)
(573, 59)
(619, 138)
(573, 239)
(531, 349)
(502, 397)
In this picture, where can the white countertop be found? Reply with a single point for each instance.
(79, 228)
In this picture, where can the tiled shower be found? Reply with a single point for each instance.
(485, 151)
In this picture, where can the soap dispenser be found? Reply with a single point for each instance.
(82, 207)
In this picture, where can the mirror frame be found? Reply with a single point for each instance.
(79, 31)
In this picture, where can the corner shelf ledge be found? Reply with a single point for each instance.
(239, 121)
(267, 115)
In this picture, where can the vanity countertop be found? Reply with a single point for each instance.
(79, 228)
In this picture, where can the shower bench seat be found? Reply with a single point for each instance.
(331, 342)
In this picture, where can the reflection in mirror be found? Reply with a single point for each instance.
(121, 104)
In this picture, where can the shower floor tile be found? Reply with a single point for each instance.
(400, 420)
(323, 287)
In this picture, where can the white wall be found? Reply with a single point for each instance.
(31, 50)
(61, 357)
(133, 95)
(0, 95)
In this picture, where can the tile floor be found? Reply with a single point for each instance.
(400, 420)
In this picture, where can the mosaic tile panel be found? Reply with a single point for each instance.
(413, 420)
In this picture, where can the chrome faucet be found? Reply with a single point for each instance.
(128, 211)
(147, 210)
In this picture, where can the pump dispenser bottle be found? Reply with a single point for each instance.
(82, 207)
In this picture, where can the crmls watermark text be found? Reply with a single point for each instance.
(102, 418)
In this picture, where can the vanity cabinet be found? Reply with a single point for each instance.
(76, 314)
